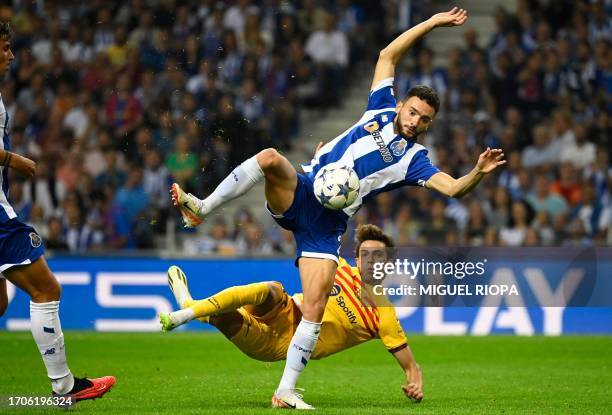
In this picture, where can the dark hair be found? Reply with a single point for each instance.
(425, 93)
(5, 31)
(371, 233)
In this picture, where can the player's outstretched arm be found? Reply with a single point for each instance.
(23, 165)
(488, 161)
(391, 55)
(414, 377)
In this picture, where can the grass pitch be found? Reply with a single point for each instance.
(202, 373)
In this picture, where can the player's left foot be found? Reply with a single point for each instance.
(289, 399)
(167, 322)
(187, 205)
(90, 388)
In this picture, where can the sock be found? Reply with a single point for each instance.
(230, 299)
(47, 333)
(188, 303)
(239, 181)
(182, 316)
(300, 349)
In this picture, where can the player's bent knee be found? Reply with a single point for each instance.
(276, 290)
(269, 159)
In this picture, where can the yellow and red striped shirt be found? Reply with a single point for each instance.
(351, 317)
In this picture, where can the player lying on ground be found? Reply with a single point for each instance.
(381, 148)
(260, 319)
(22, 262)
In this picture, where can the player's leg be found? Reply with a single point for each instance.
(280, 176)
(3, 297)
(230, 299)
(44, 290)
(317, 277)
(276, 295)
(229, 324)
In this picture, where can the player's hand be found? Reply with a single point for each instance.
(23, 165)
(413, 392)
(490, 159)
(453, 17)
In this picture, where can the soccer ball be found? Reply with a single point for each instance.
(336, 187)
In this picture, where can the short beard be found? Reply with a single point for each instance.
(398, 128)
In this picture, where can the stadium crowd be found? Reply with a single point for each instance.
(115, 100)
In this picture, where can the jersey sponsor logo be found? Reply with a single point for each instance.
(35, 240)
(399, 147)
(346, 310)
(372, 128)
(336, 289)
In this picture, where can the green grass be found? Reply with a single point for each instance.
(195, 373)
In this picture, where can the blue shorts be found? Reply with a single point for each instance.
(317, 230)
(19, 244)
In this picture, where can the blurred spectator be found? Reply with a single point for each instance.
(595, 217)
(123, 111)
(568, 184)
(476, 226)
(542, 153)
(216, 242)
(156, 179)
(498, 209)
(55, 236)
(252, 242)
(329, 50)
(182, 163)
(435, 233)
(543, 201)
(515, 232)
(581, 153)
(21, 206)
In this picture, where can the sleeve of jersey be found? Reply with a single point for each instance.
(420, 169)
(390, 331)
(382, 96)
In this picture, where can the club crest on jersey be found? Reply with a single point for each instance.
(399, 147)
(371, 127)
(335, 290)
(35, 240)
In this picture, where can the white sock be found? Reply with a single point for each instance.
(182, 316)
(239, 181)
(300, 349)
(47, 333)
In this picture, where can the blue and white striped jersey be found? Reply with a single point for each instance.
(382, 159)
(6, 210)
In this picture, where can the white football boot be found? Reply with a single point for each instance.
(290, 399)
(188, 205)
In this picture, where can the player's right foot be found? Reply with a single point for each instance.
(187, 204)
(289, 399)
(177, 280)
(90, 388)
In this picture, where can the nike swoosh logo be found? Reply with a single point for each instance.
(290, 406)
(186, 206)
